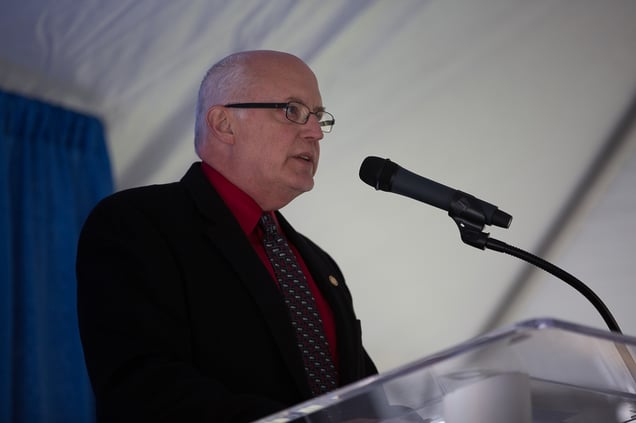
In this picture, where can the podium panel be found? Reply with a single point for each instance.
(541, 370)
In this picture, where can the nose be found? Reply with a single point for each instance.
(313, 128)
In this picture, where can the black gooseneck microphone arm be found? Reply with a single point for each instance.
(472, 234)
(471, 215)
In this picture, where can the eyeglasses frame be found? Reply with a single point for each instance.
(329, 123)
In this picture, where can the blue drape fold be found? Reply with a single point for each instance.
(54, 167)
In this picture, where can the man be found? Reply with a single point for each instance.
(184, 312)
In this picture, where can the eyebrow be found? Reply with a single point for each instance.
(297, 100)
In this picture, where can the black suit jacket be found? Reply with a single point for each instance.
(180, 320)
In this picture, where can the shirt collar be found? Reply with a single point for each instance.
(242, 206)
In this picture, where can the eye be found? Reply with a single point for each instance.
(297, 112)
(293, 110)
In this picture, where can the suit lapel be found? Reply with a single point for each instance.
(226, 235)
(328, 279)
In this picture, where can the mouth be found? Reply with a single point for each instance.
(305, 157)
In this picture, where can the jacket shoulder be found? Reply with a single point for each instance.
(150, 200)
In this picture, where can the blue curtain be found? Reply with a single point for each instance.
(54, 167)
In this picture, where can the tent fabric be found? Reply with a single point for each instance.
(509, 100)
(54, 168)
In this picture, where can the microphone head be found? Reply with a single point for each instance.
(377, 172)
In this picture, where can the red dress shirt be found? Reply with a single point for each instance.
(248, 213)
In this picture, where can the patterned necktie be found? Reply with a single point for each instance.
(306, 321)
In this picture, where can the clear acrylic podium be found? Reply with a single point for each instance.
(541, 370)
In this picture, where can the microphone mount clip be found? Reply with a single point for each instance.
(467, 213)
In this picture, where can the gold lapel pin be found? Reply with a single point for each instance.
(333, 280)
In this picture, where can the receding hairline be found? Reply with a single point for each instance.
(248, 65)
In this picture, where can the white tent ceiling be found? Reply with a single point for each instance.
(516, 102)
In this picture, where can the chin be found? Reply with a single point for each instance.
(304, 184)
(309, 186)
(303, 189)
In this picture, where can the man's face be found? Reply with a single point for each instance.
(277, 158)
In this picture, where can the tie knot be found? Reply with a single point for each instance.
(268, 224)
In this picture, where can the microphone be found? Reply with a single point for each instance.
(470, 214)
(383, 174)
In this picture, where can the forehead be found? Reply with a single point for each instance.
(284, 79)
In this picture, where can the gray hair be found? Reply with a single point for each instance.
(223, 82)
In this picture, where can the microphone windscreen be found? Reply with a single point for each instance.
(370, 170)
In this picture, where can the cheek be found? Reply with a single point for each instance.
(270, 145)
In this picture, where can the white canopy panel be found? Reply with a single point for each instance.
(512, 101)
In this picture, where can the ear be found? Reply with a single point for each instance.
(219, 123)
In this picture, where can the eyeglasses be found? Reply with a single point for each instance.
(294, 111)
